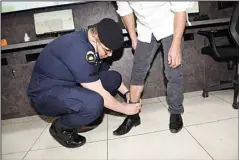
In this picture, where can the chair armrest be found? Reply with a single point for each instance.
(211, 37)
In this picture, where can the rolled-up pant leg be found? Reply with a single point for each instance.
(143, 57)
(175, 80)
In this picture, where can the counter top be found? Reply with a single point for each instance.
(38, 43)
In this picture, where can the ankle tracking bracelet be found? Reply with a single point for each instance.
(133, 102)
(124, 96)
(126, 93)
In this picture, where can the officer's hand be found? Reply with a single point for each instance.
(130, 109)
(134, 44)
(126, 97)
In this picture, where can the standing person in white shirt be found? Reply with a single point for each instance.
(157, 23)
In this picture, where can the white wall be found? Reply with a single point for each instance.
(24, 5)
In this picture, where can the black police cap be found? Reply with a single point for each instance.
(110, 34)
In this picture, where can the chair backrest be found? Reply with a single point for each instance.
(234, 24)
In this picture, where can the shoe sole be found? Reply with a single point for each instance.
(63, 144)
(176, 131)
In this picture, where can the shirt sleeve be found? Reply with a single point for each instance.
(123, 8)
(104, 66)
(180, 6)
(82, 71)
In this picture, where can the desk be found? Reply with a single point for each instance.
(219, 21)
(220, 24)
(31, 45)
(204, 23)
(223, 22)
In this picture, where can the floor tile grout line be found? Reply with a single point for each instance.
(135, 135)
(28, 121)
(184, 99)
(64, 147)
(150, 103)
(199, 143)
(25, 156)
(36, 140)
(13, 153)
(210, 122)
(163, 104)
(193, 96)
(221, 98)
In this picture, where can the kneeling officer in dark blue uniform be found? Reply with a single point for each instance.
(71, 82)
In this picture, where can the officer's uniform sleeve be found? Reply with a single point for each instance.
(82, 71)
(104, 66)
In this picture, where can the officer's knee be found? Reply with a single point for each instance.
(116, 76)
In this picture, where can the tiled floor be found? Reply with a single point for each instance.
(210, 132)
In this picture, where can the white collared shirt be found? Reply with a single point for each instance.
(155, 17)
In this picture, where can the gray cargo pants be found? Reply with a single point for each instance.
(143, 57)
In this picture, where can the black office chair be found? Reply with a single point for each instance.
(228, 53)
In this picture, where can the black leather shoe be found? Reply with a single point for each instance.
(176, 123)
(129, 122)
(66, 137)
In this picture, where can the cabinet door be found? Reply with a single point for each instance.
(26, 72)
(14, 86)
(11, 91)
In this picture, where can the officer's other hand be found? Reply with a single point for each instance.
(126, 97)
(130, 109)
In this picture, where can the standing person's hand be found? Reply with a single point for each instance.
(174, 56)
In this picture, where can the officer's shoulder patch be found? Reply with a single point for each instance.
(89, 52)
(90, 57)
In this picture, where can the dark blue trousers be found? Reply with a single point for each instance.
(77, 106)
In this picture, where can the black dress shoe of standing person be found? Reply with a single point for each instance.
(65, 136)
(129, 122)
(176, 123)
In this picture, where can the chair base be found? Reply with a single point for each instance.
(235, 105)
(224, 85)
